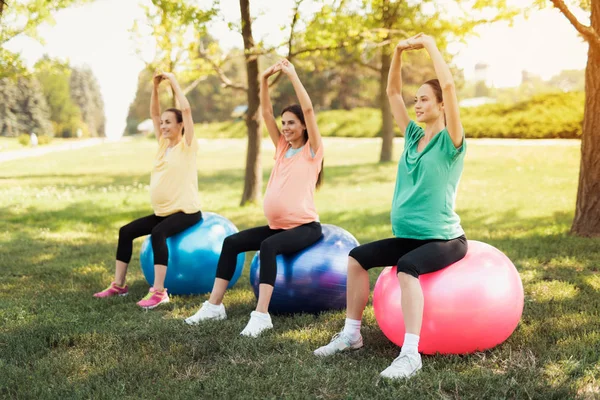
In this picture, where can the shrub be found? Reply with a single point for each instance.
(554, 115)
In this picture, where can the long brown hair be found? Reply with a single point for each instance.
(297, 111)
(434, 84)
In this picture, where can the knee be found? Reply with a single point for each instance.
(266, 247)
(124, 232)
(406, 270)
(353, 260)
(354, 265)
(230, 243)
(158, 237)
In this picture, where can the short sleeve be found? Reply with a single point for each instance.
(307, 152)
(282, 146)
(412, 130)
(193, 146)
(449, 147)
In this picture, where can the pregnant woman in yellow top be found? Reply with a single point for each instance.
(173, 194)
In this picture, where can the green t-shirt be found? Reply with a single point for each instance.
(426, 183)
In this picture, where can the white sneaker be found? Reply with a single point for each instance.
(340, 342)
(207, 312)
(404, 366)
(257, 324)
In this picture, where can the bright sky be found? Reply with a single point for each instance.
(97, 35)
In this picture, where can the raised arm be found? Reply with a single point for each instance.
(444, 75)
(310, 118)
(394, 87)
(186, 110)
(155, 106)
(266, 107)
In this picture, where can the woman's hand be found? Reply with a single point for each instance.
(287, 67)
(422, 40)
(168, 76)
(273, 69)
(418, 41)
(158, 78)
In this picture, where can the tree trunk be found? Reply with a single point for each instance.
(387, 120)
(388, 15)
(253, 178)
(587, 211)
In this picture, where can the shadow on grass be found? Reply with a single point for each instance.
(71, 344)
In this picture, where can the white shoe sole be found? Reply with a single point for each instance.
(401, 377)
(356, 346)
(192, 322)
(255, 334)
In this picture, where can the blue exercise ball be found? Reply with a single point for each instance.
(193, 256)
(312, 280)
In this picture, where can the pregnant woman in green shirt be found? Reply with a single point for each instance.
(428, 234)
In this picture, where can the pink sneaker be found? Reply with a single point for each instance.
(112, 290)
(153, 299)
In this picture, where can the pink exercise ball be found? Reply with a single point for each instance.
(472, 305)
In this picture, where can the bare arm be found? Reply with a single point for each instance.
(394, 88)
(266, 107)
(310, 118)
(186, 110)
(155, 106)
(444, 75)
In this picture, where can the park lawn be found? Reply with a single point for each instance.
(10, 143)
(60, 218)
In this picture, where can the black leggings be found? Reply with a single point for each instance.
(270, 242)
(412, 256)
(160, 228)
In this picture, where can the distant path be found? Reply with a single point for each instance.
(41, 150)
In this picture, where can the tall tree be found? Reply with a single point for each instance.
(54, 77)
(176, 27)
(587, 210)
(253, 176)
(85, 92)
(252, 51)
(23, 108)
(377, 25)
(33, 113)
(21, 18)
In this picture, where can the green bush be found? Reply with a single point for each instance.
(555, 115)
(23, 139)
(44, 139)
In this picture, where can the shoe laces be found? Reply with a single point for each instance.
(149, 295)
(339, 337)
(403, 360)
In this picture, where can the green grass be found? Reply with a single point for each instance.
(58, 231)
(8, 144)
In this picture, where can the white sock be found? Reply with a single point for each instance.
(411, 344)
(352, 329)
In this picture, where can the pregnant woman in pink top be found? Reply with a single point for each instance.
(293, 222)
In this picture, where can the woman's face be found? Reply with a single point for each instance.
(427, 107)
(169, 127)
(291, 127)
